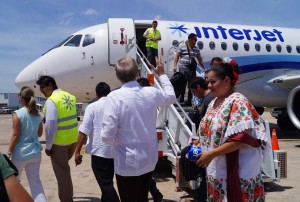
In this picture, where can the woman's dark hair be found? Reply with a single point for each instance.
(46, 80)
(102, 89)
(231, 70)
(28, 96)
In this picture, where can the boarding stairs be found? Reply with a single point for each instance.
(175, 129)
(172, 129)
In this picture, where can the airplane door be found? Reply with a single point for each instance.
(121, 39)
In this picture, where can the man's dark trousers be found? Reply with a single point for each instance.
(103, 169)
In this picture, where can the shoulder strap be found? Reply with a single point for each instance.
(188, 51)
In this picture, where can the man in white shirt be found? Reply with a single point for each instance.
(101, 153)
(129, 124)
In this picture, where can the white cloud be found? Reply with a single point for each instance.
(90, 12)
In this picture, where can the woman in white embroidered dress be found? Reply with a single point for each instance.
(232, 137)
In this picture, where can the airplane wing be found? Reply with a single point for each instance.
(290, 80)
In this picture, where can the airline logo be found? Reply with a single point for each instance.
(220, 31)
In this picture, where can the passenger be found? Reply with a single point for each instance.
(101, 153)
(152, 36)
(25, 148)
(61, 133)
(129, 124)
(199, 88)
(11, 189)
(156, 195)
(185, 56)
(231, 136)
(215, 61)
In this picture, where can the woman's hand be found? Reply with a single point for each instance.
(205, 158)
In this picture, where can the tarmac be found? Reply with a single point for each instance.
(87, 189)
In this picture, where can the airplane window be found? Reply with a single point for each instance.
(212, 45)
(88, 40)
(278, 47)
(268, 47)
(246, 46)
(200, 45)
(75, 41)
(235, 46)
(58, 45)
(223, 46)
(298, 49)
(257, 47)
(175, 43)
(289, 48)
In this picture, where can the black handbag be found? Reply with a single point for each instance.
(193, 63)
(178, 81)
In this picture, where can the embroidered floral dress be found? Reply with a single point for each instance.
(232, 116)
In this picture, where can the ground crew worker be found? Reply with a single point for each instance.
(152, 36)
(61, 133)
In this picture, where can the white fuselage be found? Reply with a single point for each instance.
(78, 69)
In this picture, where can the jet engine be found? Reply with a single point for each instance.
(293, 106)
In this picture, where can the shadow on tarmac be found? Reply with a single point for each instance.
(273, 187)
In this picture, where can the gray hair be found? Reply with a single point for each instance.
(126, 69)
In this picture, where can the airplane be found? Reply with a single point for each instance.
(269, 58)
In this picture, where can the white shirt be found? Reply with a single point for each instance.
(51, 121)
(129, 124)
(91, 126)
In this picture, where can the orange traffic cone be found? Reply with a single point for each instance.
(275, 145)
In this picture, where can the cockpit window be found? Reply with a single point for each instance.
(58, 45)
(88, 40)
(75, 41)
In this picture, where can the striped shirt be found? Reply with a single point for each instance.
(184, 56)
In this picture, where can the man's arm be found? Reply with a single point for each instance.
(168, 97)
(176, 59)
(15, 135)
(84, 130)
(200, 61)
(50, 125)
(145, 35)
(81, 139)
(110, 121)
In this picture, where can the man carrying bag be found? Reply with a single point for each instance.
(185, 57)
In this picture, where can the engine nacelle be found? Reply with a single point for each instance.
(293, 106)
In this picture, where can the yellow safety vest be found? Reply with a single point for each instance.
(151, 34)
(67, 130)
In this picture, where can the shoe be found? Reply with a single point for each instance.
(157, 197)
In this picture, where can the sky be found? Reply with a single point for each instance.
(28, 28)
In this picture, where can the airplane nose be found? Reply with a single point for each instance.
(20, 79)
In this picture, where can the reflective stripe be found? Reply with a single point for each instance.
(67, 118)
(67, 127)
